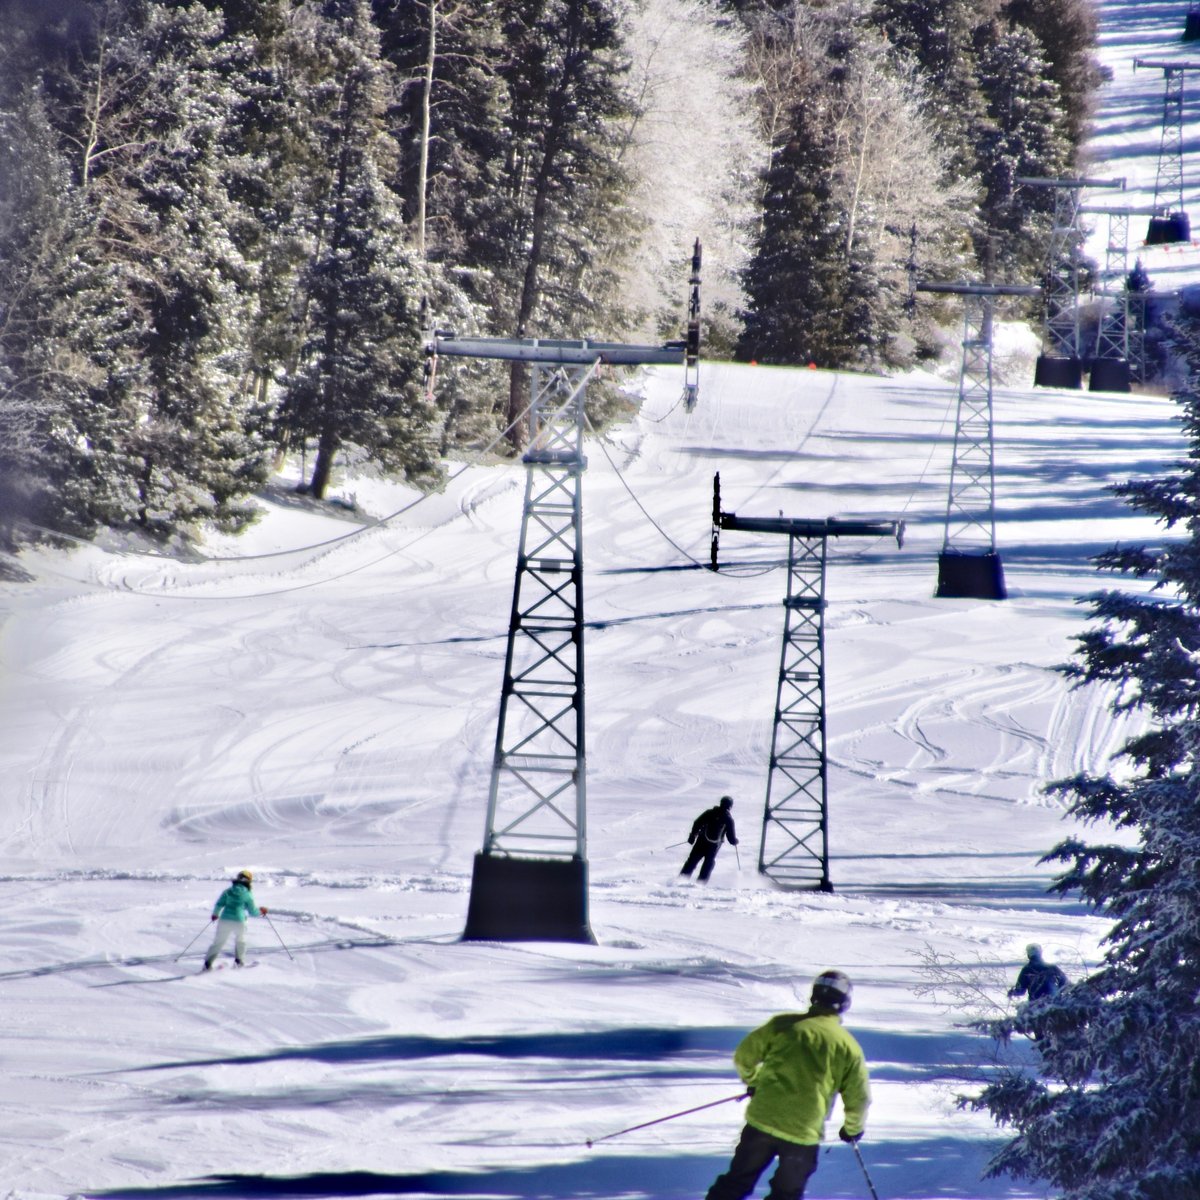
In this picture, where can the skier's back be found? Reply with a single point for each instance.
(793, 1066)
(233, 905)
(709, 830)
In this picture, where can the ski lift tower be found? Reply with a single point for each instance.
(1119, 353)
(794, 850)
(1169, 224)
(1060, 363)
(968, 565)
(529, 881)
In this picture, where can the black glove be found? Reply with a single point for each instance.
(749, 1091)
(849, 1138)
(691, 839)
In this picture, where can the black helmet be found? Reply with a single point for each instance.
(831, 989)
(726, 801)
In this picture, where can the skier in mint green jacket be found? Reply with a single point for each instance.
(793, 1067)
(230, 912)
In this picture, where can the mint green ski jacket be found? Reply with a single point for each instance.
(796, 1063)
(235, 903)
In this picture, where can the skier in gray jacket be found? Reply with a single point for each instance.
(230, 912)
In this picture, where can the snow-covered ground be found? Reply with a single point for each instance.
(326, 718)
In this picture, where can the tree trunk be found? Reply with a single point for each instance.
(531, 284)
(327, 448)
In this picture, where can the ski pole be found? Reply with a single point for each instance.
(870, 1185)
(191, 943)
(659, 1120)
(674, 844)
(281, 941)
(739, 857)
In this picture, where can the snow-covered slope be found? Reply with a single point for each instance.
(326, 718)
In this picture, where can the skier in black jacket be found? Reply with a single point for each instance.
(709, 830)
(1038, 979)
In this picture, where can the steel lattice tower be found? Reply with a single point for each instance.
(1170, 222)
(530, 877)
(1059, 363)
(1120, 331)
(968, 565)
(794, 850)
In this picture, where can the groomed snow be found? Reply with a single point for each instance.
(326, 718)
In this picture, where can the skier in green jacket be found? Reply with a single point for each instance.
(793, 1067)
(230, 911)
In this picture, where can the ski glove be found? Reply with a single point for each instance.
(262, 908)
(849, 1138)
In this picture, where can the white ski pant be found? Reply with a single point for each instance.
(225, 930)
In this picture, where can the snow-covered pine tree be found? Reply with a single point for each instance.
(357, 377)
(138, 310)
(1114, 1112)
(450, 101)
(1024, 134)
(794, 277)
(63, 323)
(546, 235)
(939, 36)
(203, 449)
(1067, 32)
(856, 165)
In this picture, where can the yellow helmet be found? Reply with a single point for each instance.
(246, 875)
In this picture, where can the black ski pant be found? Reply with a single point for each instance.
(702, 848)
(754, 1153)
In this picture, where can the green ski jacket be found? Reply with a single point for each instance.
(796, 1063)
(235, 903)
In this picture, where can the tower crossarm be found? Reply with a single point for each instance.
(580, 352)
(1169, 66)
(799, 527)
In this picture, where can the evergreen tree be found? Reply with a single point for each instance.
(1024, 135)
(1067, 33)
(547, 233)
(830, 280)
(1114, 1113)
(358, 374)
(450, 103)
(939, 36)
(795, 278)
(145, 429)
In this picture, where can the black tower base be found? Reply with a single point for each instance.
(528, 900)
(1109, 375)
(1057, 371)
(1163, 231)
(970, 576)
